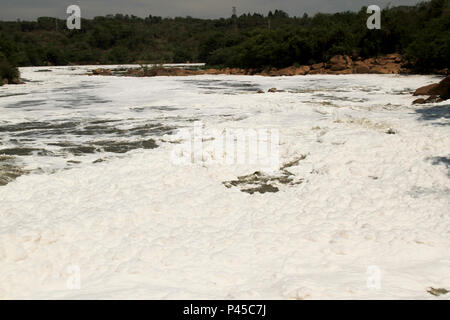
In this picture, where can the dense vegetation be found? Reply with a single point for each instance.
(421, 32)
(8, 71)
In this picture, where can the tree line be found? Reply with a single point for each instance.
(420, 32)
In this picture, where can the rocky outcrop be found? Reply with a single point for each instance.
(317, 66)
(101, 72)
(290, 71)
(339, 64)
(390, 68)
(437, 92)
(443, 72)
(361, 67)
(212, 71)
(12, 81)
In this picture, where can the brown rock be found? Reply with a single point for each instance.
(443, 72)
(395, 57)
(318, 71)
(346, 71)
(426, 90)
(338, 67)
(338, 60)
(237, 71)
(272, 90)
(11, 81)
(300, 71)
(212, 71)
(134, 72)
(438, 91)
(393, 68)
(389, 64)
(359, 63)
(290, 71)
(369, 61)
(404, 71)
(303, 70)
(434, 99)
(385, 69)
(377, 70)
(348, 60)
(274, 73)
(390, 68)
(419, 101)
(156, 72)
(362, 69)
(101, 72)
(317, 66)
(443, 90)
(176, 72)
(382, 61)
(431, 99)
(340, 63)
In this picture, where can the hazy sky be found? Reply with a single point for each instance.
(31, 9)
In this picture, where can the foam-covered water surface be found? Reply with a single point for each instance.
(358, 206)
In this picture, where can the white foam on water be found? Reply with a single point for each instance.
(139, 226)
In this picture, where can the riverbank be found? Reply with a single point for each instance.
(337, 65)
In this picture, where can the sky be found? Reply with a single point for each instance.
(31, 9)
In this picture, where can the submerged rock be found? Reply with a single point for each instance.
(9, 170)
(267, 183)
(102, 72)
(438, 292)
(126, 146)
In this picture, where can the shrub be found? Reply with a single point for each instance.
(7, 70)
